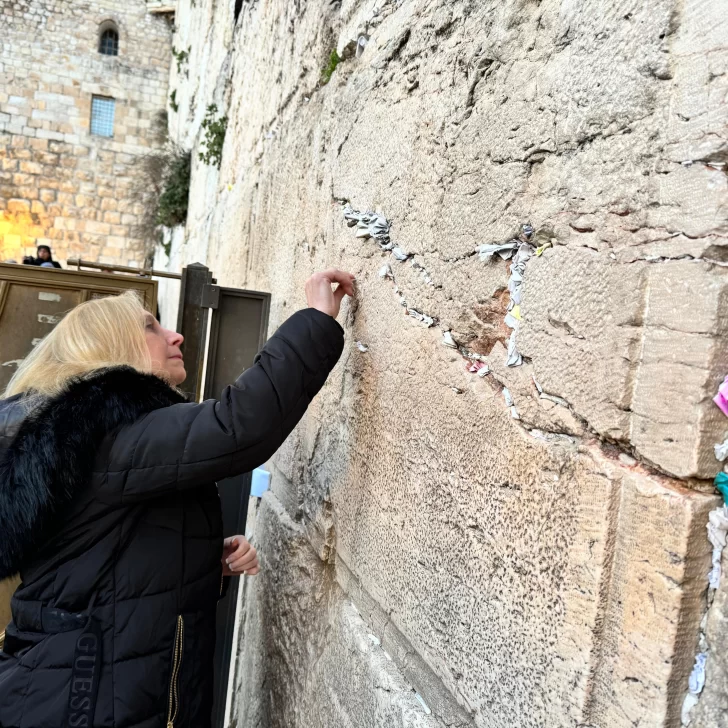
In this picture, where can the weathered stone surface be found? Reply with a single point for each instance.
(637, 350)
(684, 351)
(536, 577)
(330, 669)
(497, 556)
(582, 314)
(712, 709)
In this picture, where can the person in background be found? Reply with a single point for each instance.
(44, 259)
(110, 513)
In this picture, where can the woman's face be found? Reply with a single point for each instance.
(163, 346)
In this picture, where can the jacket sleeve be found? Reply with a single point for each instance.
(186, 445)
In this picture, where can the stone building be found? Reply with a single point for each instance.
(81, 82)
(438, 550)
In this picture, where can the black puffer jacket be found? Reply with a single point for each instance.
(109, 510)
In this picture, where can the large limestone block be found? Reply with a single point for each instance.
(308, 657)
(638, 350)
(581, 316)
(699, 113)
(654, 599)
(683, 359)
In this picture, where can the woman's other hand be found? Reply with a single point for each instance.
(322, 297)
(239, 557)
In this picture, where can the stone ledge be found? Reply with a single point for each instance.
(414, 668)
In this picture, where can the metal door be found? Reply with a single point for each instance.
(237, 330)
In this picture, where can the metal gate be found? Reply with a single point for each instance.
(224, 328)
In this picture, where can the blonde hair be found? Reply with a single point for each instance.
(103, 333)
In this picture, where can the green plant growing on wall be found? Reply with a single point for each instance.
(174, 198)
(214, 130)
(165, 245)
(182, 58)
(163, 188)
(173, 101)
(330, 67)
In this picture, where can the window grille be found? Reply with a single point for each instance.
(102, 116)
(109, 42)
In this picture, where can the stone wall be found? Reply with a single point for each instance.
(60, 185)
(432, 554)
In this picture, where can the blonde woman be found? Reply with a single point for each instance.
(109, 510)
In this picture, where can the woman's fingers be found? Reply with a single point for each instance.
(320, 295)
(243, 548)
(339, 294)
(246, 562)
(231, 543)
(344, 279)
(234, 547)
(239, 557)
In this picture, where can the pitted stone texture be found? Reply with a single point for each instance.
(684, 352)
(501, 574)
(658, 572)
(581, 317)
(494, 571)
(399, 648)
(637, 350)
(308, 657)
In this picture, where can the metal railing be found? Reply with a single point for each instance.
(141, 272)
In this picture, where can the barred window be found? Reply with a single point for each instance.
(102, 116)
(109, 42)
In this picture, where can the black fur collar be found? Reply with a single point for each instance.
(50, 459)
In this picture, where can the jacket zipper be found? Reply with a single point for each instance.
(179, 638)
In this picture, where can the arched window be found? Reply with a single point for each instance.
(109, 41)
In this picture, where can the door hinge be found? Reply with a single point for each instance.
(210, 296)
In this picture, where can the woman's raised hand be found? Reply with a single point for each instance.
(321, 296)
